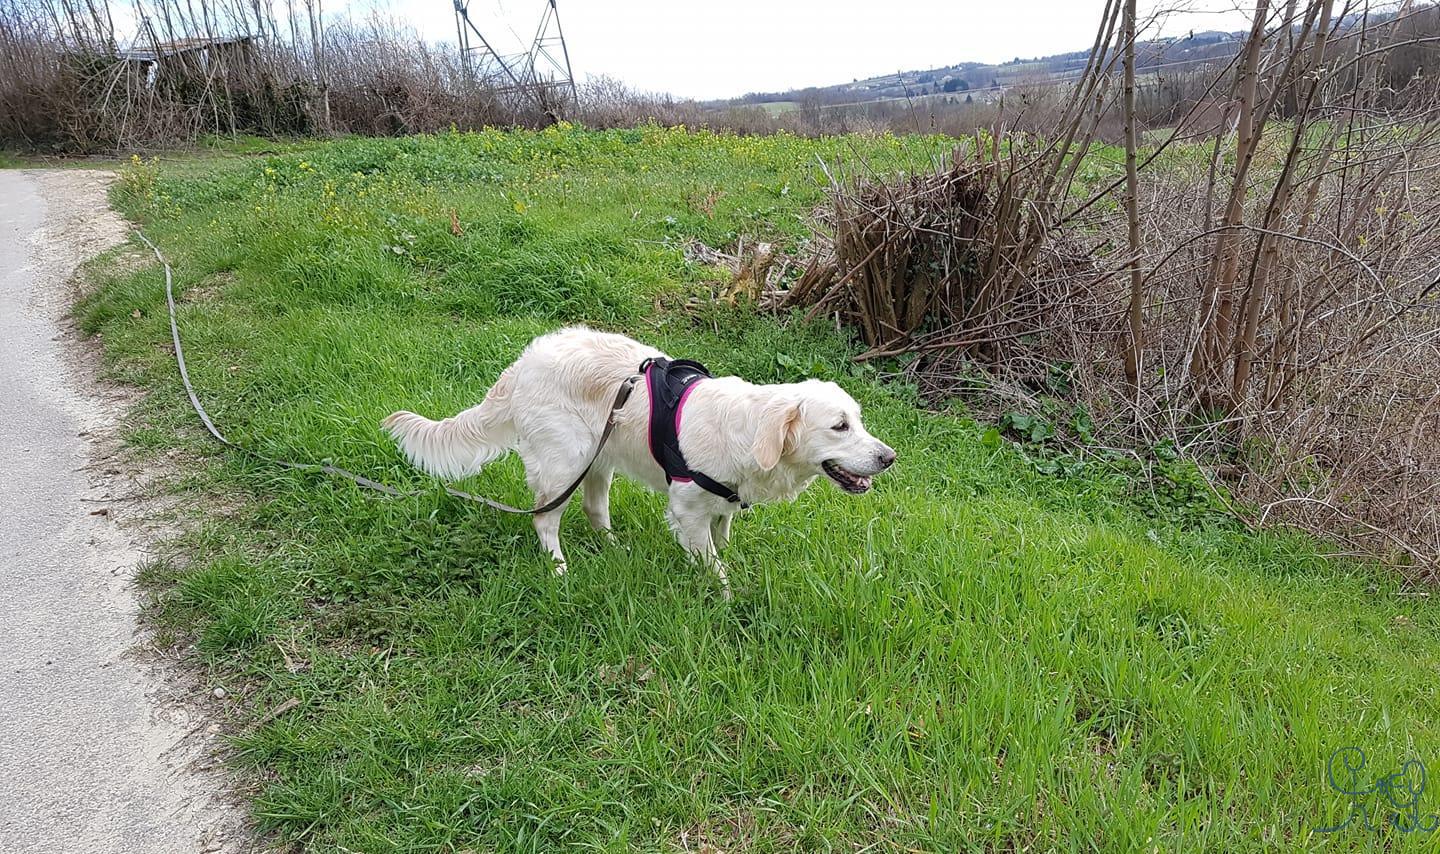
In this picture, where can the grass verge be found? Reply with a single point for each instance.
(976, 656)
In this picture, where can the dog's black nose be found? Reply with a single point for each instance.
(886, 458)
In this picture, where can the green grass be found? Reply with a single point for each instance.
(775, 108)
(975, 656)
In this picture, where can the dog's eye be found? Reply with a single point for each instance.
(841, 427)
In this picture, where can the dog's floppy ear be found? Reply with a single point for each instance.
(775, 430)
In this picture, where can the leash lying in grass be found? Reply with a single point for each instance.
(621, 396)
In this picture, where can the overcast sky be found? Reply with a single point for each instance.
(729, 47)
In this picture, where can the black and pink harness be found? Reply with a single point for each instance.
(669, 382)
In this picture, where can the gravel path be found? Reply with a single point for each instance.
(97, 752)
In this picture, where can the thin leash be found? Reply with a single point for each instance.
(621, 397)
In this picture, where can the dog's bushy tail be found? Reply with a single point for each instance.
(460, 445)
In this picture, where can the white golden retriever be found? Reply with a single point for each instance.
(766, 442)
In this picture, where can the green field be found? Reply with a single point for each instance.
(975, 656)
(775, 108)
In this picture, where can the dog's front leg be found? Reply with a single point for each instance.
(720, 530)
(690, 520)
(597, 501)
(547, 526)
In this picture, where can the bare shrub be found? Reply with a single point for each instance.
(607, 103)
(67, 82)
(1267, 298)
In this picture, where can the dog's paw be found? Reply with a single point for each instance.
(724, 578)
(560, 568)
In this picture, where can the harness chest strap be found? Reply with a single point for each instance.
(669, 383)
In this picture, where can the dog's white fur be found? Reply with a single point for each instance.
(768, 442)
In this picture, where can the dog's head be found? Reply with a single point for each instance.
(816, 426)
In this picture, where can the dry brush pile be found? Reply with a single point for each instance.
(1259, 287)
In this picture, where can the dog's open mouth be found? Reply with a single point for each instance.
(848, 480)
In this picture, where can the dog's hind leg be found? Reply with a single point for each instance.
(549, 468)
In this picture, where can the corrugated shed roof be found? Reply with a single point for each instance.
(150, 52)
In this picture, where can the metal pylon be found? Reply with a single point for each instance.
(541, 73)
